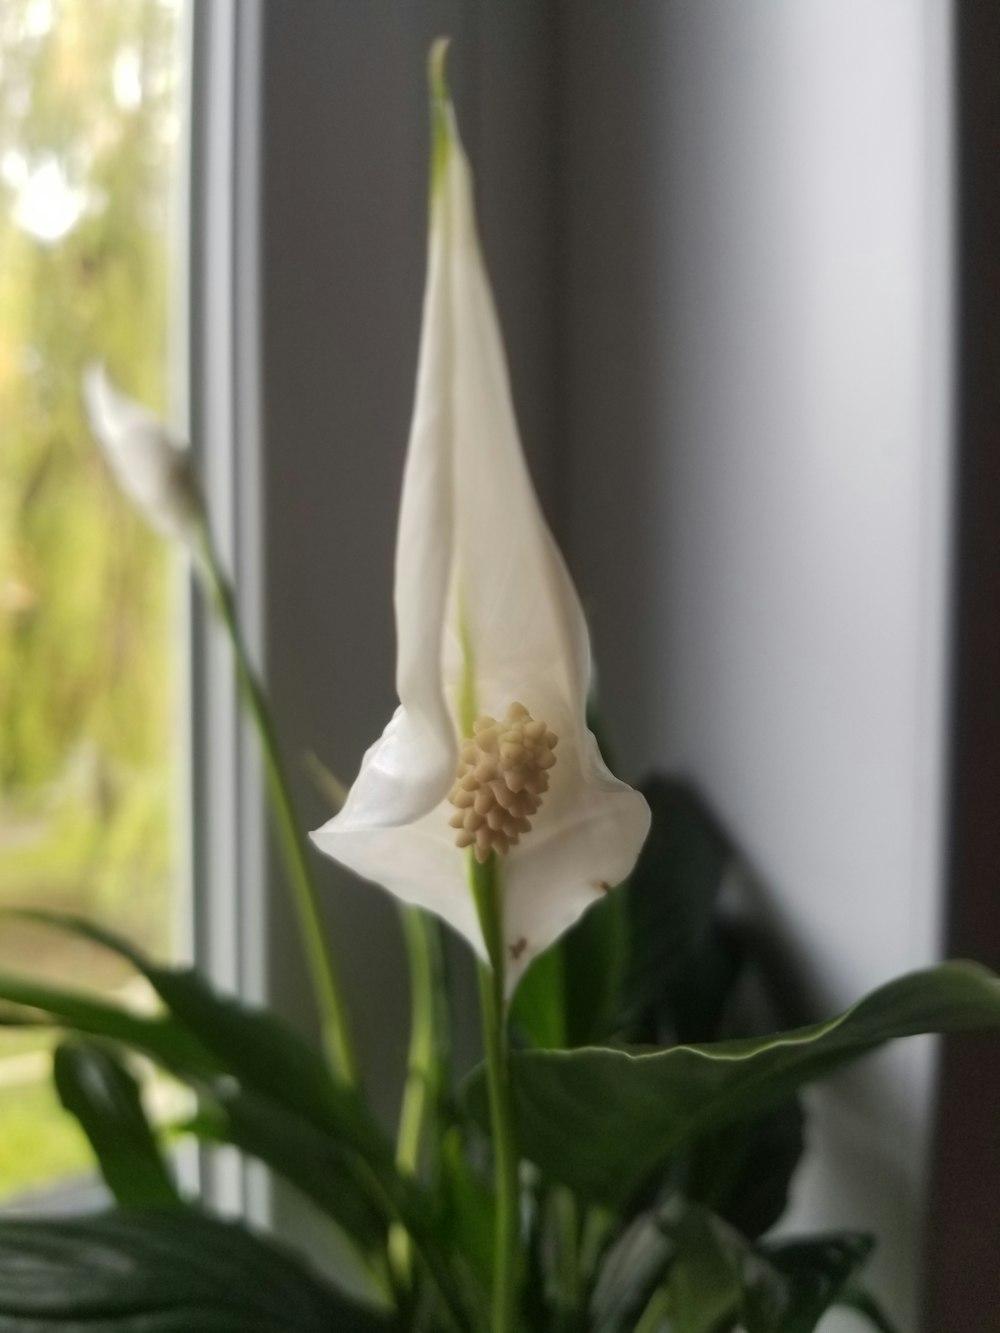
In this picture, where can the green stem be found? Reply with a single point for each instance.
(654, 1317)
(323, 972)
(393, 1196)
(562, 1217)
(507, 1257)
(425, 1067)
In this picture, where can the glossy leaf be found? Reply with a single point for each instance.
(161, 1272)
(468, 1213)
(631, 1269)
(253, 1045)
(538, 1010)
(647, 942)
(165, 1040)
(313, 1162)
(269, 1059)
(97, 1088)
(704, 1283)
(571, 994)
(718, 1282)
(812, 1276)
(600, 1120)
(744, 1172)
(261, 1050)
(672, 894)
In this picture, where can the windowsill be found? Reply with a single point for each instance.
(70, 1197)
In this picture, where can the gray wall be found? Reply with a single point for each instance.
(755, 345)
(719, 237)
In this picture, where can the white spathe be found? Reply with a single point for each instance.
(151, 465)
(482, 598)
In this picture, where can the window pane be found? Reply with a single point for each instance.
(90, 151)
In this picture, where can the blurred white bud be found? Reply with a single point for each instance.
(152, 466)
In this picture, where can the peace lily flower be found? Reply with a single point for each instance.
(151, 465)
(488, 753)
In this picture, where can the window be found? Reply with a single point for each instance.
(91, 140)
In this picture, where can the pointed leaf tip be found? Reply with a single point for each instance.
(436, 62)
(440, 107)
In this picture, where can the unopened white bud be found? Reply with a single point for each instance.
(152, 466)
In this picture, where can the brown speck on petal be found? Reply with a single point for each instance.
(516, 950)
(602, 886)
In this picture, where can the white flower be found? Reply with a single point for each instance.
(152, 466)
(489, 745)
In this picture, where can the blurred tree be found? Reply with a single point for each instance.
(89, 131)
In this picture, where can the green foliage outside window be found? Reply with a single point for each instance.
(89, 132)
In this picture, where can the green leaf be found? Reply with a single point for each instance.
(815, 1272)
(718, 1281)
(744, 1172)
(469, 1208)
(633, 1265)
(254, 1046)
(595, 958)
(672, 894)
(704, 1283)
(271, 1060)
(313, 1162)
(538, 1009)
(651, 937)
(263, 1052)
(95, 1086)
(161, 1272)
(601, 1120)
(162, 1038)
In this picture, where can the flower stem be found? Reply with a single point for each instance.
(655, 1314)
(563, 1221)
(426, 1061)
(507, 1257)
(322, 969)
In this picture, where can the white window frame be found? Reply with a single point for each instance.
(226, 926)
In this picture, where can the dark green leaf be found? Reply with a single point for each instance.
(600, 1120)
(595, 958)
(799, 1281)
(160, 1272)
(673, 893)
(273, 1062)
(631, 1268)
(649, 939)
(744, 1172)
(315, 1163)
(95, 1086)
(538, 1009)
(468, 1221)
(162, 1038)
(718, 1281)
(571, 993)
(263, 1052)
(704, 1284)
(271, 1059)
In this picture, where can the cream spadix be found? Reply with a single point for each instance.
(488, 752)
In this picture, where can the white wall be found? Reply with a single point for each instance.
(755, 467)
